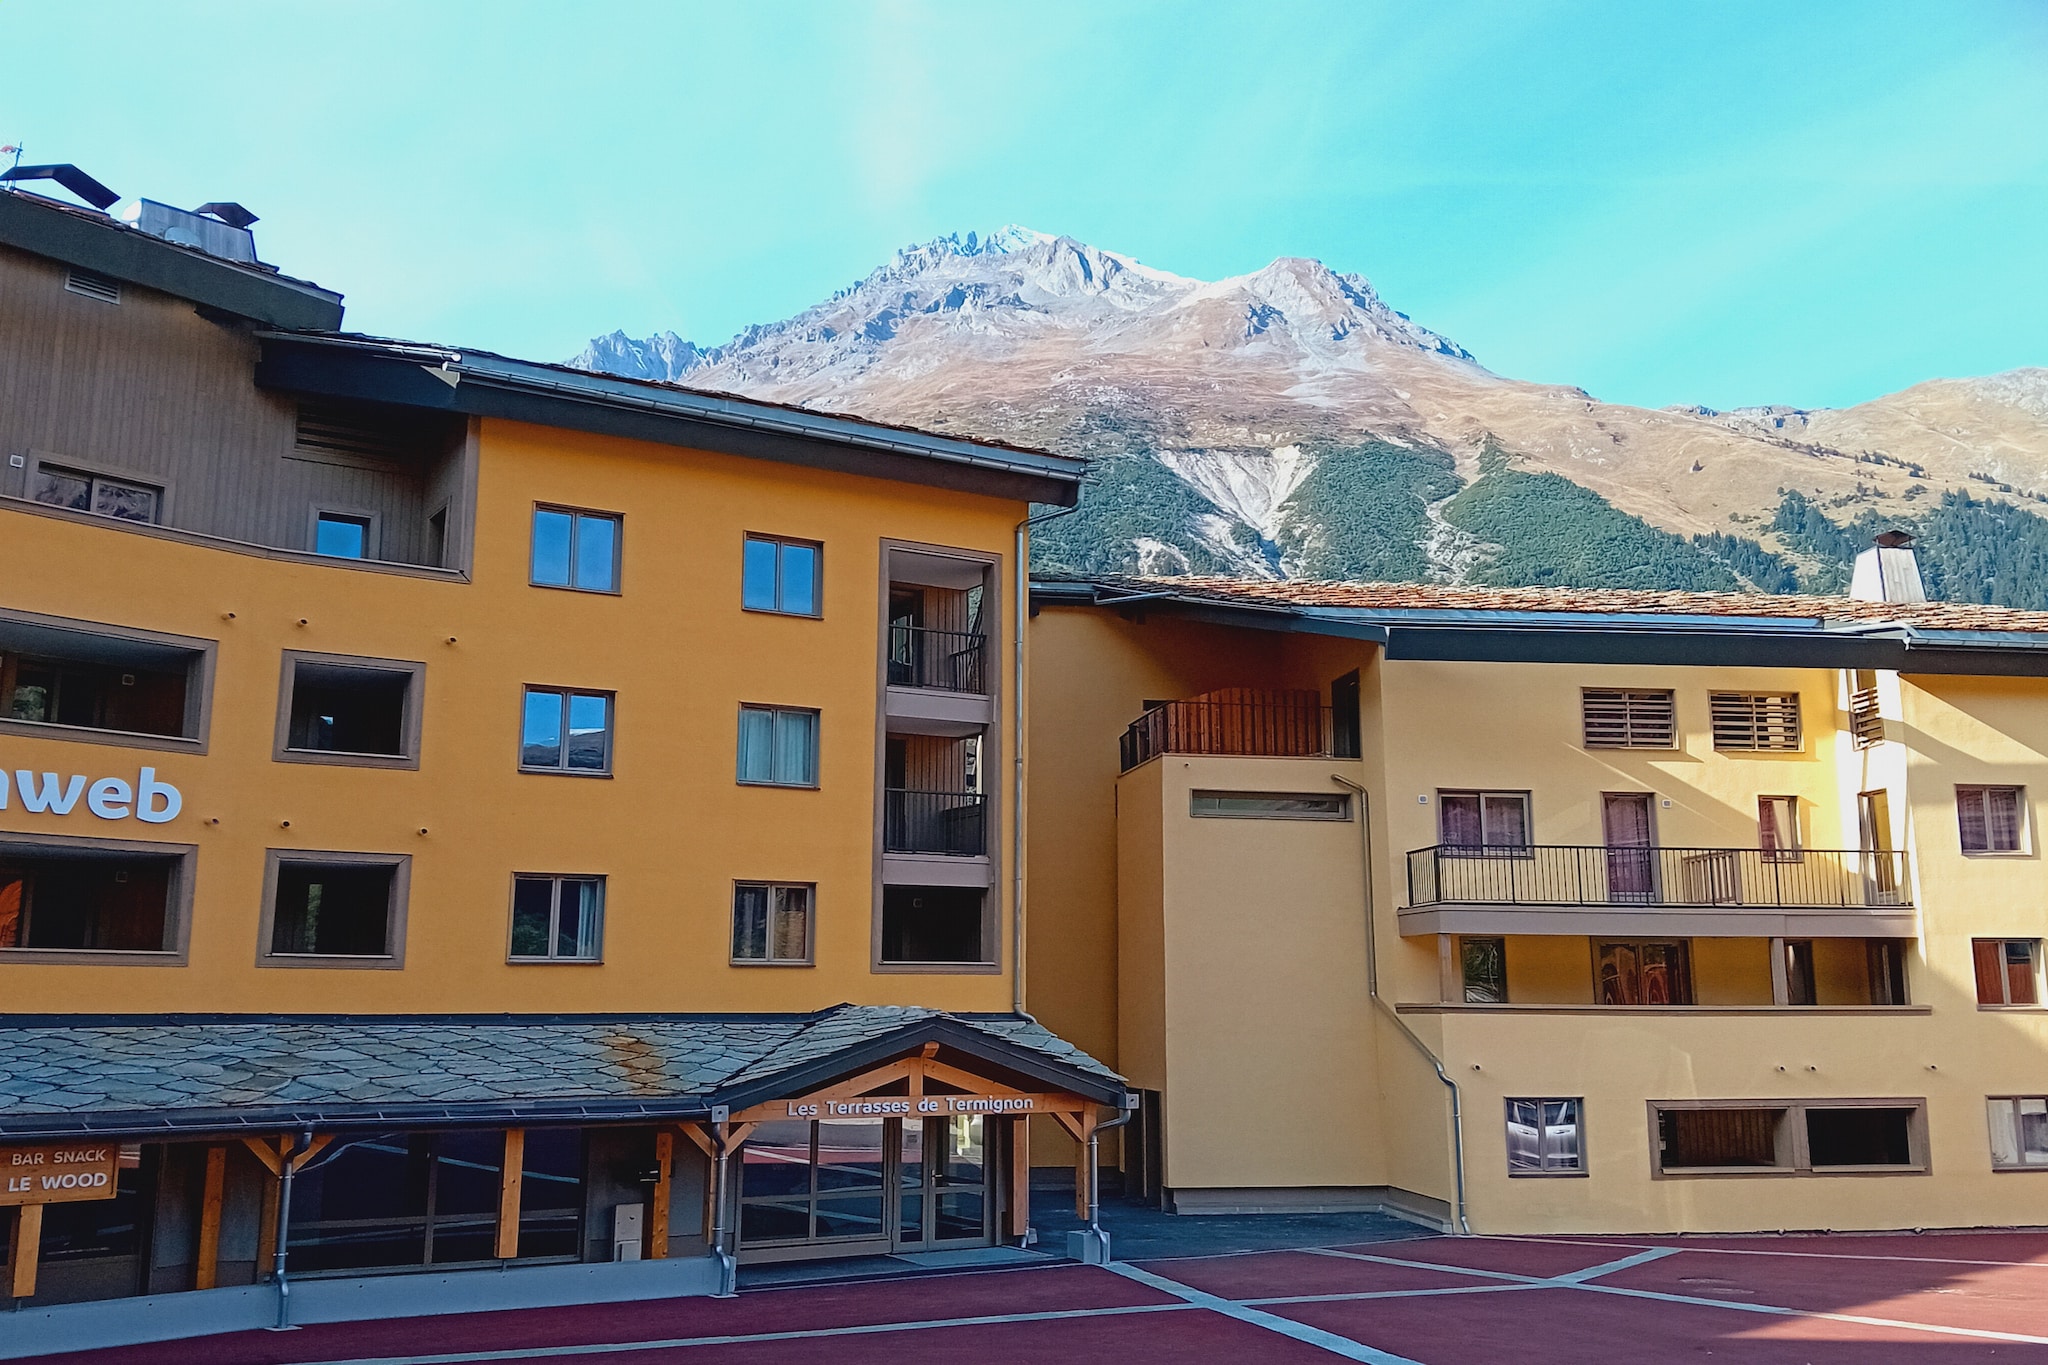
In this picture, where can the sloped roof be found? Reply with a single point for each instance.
(137, 1076)
(1396, 597)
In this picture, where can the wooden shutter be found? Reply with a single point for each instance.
(1756, 720)
(1989, 955)
(1629, 718)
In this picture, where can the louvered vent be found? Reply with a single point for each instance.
(1756, 720)
(335, 429)
(93, 286)
(1625, 718)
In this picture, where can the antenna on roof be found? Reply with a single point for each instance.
(13, 150)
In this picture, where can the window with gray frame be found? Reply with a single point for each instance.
(1545, 1137)
(2019, 1132)
(339, 709)
(1799, 1137)
(778, 746)
(557, 919)
(80, 490)
(1991, 819)
(576, 549)
(564, 730)
(1271, 805)
(779, 575)
(771, 922)
(347, 907)
(1483, 965)
(343, 535)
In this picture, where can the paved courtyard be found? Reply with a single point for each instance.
(1821, 1300)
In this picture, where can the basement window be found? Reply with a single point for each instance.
(1544, 1137)
(346, 710)
(1801, 1138)
(327, 906)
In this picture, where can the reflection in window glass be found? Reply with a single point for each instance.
(2019, 1132)
(57, 488)
(575, 550)
(779, 575)
(566, 731)
(757, 588)
(1543, 1137)
(556, 918)
(341, 537)
(122, 499)
(1272, 805)
(771, 923)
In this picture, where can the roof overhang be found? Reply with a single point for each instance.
(1475, 636)
(484, 385)
(95, 242)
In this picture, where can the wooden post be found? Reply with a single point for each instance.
(657, 1215)
(24, 1249)
(266, 1232)
(510, 1175)
(1087, 1126)
(1020, 1176)
(208, 1274)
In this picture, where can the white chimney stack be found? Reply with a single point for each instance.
(1888, 571)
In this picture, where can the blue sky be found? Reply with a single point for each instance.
(1724, 203)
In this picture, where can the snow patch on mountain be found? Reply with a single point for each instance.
(1250, 485)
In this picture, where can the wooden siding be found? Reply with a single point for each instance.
(148, 389)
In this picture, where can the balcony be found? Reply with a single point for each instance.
(949, 823)
(1242, 722)
(948, 660)
(1711, 892)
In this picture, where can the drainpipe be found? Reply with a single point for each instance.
(288, 1167)
(1096, 1231)
(1372, 988)
(1023, 561)
(728, 1265)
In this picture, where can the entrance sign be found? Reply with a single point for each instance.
(927, 1106)
(60, 1173)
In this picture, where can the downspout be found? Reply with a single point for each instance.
(728, 1265)
(1372, 988)
(1096, 1231)
(1022, 558)
(287, 1168)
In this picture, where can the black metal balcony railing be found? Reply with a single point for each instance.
(1271, 728)
(949, 660)
(1561, 874)
(934, 822)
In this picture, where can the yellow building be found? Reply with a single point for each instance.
(453, 808)
(1700, 912)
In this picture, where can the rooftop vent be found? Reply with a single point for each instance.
(71, 178)
(1888, 571)
(216, 236)
(93, 286)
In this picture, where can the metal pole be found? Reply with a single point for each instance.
(1096, 1231)
(287, 1167)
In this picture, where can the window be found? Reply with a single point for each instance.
(771, 923)
(778, 746)
(1866, 720)
(2008, 971)
(575, 549)
(340, 709)
(1990, 818)
(1799, 983)
(1643, 973)
(80, 491)
(1777, 828)
(1483, 963)
(341, 535)
(933, 924)
(347, 908)
(818, 1180)
(2019, 1133)
(1626, 718)
(1887, 962)
(126, 683)
(1544, 1137)
(1720, 1139)
(780, 576)
(566, 731)
(409, 1199)
(1799, 1138)
(1483, 823)
(92, 896)
(1272, 805)
(556, 919)
(1755, 720)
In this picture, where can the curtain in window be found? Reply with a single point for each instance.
(795, 759)
(750, 923)
(792, 922)
(1778, 825)
(1505, 821)
(1458, 818)
(576, 933)
(2002, 818)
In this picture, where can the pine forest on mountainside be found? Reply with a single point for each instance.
(1290, 424)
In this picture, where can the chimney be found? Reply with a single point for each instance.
(1888, 571)
(219, 229)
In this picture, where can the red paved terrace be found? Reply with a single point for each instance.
(1819, 1300)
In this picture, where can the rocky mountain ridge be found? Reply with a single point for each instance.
(1288, 422)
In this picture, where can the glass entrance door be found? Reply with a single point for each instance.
(943, 1183)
